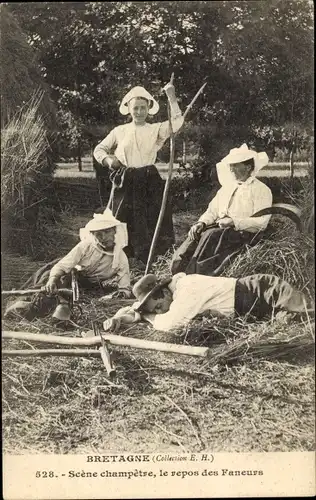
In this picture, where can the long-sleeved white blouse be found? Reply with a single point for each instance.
(136, 145)
(240, 202)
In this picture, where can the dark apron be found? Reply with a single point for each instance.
(138, 204)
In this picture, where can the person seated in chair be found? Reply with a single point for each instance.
(227, 225)
(174, 302)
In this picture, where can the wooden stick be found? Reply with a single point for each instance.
(168, 181)
(49, 352)
(113, 339)
(193, 100)
(33, 291)
(164, 197)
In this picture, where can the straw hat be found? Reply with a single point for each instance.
(239, 155)
(139, 92)
(102, 221)
(106, 221)
(146, 287)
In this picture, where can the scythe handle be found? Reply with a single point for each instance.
(164, 197)
(168, 181)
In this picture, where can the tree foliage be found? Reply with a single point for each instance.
(256, 57)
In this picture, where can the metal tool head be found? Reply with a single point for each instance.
(62, 312)
(74, 286)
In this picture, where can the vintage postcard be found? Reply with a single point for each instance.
(158, 281)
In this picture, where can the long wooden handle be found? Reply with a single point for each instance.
(164, 197)
(118, 340)
(15, 353)
(33, 291)
(168, 181)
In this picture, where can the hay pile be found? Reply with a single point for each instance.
(254, 393)
(23, 158)
(28, 130)
(25, 174)
(20, 73)
(287, 254)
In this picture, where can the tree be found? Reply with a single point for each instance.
(255, 56)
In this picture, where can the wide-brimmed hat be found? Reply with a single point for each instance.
(146, 287)
(106, 221)
(139, 92)
(102, 221)
(239, 155)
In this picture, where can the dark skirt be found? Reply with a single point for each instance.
(215, 249)
(138, 204)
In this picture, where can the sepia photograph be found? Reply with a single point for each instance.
(158, 246)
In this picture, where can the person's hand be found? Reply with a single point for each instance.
(196, 230)
(116, 164)
(50, 286)
(122, 294)
(225, 222)
(113, 163)
(169, 86)
(112, 324)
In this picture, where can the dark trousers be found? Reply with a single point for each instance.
(41, 276)
(260, 295)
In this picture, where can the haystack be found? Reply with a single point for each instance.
(27, 136)
(20, 74)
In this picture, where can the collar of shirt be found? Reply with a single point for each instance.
(246, 182)
(175, 279)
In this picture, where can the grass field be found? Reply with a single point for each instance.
(255, 393)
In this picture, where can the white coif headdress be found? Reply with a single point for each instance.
(106, 221)
(142, 93)
(238, 155)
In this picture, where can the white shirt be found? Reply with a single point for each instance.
(239, 202)
(136, 145)
(194, 294)
(95, 263)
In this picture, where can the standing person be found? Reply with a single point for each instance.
(132, 149)
(228, 223)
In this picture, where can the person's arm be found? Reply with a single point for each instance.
(209, 217)
(178, 315)
(212, 213)
(65, 265)
(103, 152)
(123, 317)
(262, 198)
(175, 113)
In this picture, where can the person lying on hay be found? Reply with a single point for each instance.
(227, 226)
(130, 152)
(175, 301)
(98, 260)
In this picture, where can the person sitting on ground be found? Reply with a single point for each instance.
(174, 302)
(227, 225)
(98, 257)
(98, 260)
